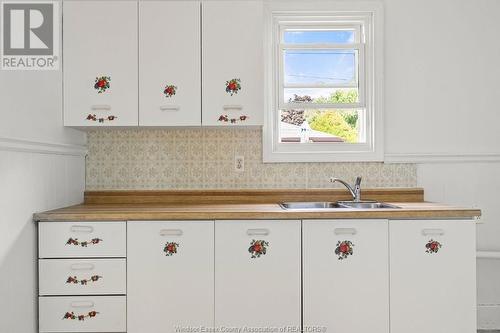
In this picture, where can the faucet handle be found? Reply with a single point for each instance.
(358, 181)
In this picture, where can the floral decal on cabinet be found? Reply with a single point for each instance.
(233, 86)
(225, 119)
(93, 117)
(258, 248)
(170, 90)
(102, 84)
(83, 282)
(76, 242)
(344, 249)
(170, 248)
(432, 246)
(81, 317)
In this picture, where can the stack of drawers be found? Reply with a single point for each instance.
(82, 277)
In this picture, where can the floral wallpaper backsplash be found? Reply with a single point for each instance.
(204, 158)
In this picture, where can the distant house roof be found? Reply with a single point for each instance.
(292, 133)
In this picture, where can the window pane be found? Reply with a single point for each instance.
(321, 95)
(321, 126)
(320, 67)
(319, 36)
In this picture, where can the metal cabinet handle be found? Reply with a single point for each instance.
(170, 107)
(82, 267)
(258, 232)
(102, 107)
(82, 228)
(170, 232)
(82, 304)
(233, 107)
(345, 231)
(432, 232)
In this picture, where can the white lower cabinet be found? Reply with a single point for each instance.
(433, 276)
(345, 275)
(257, 274)
(170, 276)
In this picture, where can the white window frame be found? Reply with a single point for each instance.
(369, 16)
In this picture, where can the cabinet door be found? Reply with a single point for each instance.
(346, 275)
(170, 274)
(257, 273)
(232, 63)
(170, 63)
(433, 272)
(100, 63)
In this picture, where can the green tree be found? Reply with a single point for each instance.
(333, 122)
(343, 96)
(339, 96)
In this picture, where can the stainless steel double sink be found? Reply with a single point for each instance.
(336, 205)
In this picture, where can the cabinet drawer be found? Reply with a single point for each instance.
(82, 276)
(82, 314)
(81, 239)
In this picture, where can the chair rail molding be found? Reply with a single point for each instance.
(488, 254)
(441, 157)
(41, 147)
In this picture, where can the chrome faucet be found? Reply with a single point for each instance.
(355, 192)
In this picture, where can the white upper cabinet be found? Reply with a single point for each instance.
(257, 273)
(100, 63)
(346, 275)
(433, 276)
(232, 56)
(169, 63)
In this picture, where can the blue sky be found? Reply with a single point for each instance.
(322, 66)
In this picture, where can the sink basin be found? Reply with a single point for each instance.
(365, 205)
(309, 205)
(336, 205)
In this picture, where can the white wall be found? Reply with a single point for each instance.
(442, 78)
(42, 166)
(29, 182)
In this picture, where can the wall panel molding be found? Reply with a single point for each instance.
(442, 158)
(21, 145)
(488, 254)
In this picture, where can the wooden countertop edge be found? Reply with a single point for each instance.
(241, 212)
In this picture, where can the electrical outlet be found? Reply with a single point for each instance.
(239, 163)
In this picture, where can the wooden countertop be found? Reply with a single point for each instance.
(248, 204)
(128, 212)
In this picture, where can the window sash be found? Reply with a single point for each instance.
(365, 135)
(363, 131)
(360, 75)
